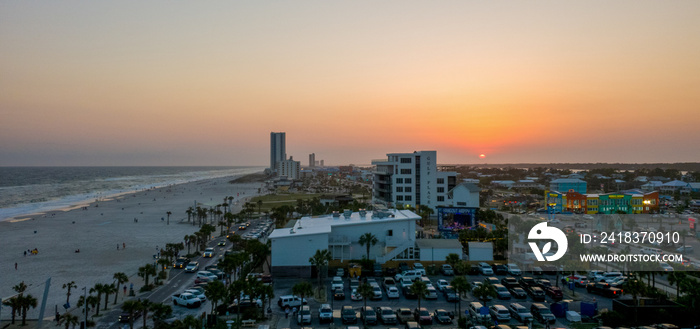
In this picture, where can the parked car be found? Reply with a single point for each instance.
(541, 313)
(446, 269)
(499, 312)
(537, 294)
(442, 316)
(404, 315)
(368, 315)
(325, 313)
(500, 269)
(290, 301)
(518, 292)
(441, 284)
(519, 312)
(502, 291)
(408, 293)
(412, 325)
(430, 293)
(485, 269)
(513, 269)
(355, 295)
(392, 293)
(419, 268)
(348, 314)
(337, 282)
(339, 294)
(554, 293)
(422, 316)
(509, 282)
(386, 315)
(474, 269)
(450, 294)
(304, 315)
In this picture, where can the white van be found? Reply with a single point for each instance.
(475, 309)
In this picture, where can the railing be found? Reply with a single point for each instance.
(395, 252)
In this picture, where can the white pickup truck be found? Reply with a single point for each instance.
(186, 299)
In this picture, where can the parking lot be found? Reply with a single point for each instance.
(284, 287)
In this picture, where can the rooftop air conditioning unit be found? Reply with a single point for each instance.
(363, 212)
(347, 213)
(336, 214)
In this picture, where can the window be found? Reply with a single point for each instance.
(390, 233)
(405, 160)
(441, 181)
(408, 189)
(406, 171)
(408, 180)
(440, 198)
(441, 190)
(408, 198)
(399, 189)
(399, 198)
(399, 181)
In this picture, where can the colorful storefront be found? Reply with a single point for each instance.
(574, 202)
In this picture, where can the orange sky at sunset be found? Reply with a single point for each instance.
(162, 83)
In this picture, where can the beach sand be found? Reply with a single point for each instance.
(97, 232)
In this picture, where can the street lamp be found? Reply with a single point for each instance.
(86, 306)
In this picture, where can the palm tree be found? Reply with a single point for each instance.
(107, 290)
(168, 213)
(68, 319)
(69, 286)
(260, 203)
(119, 278)
(302, 289)
(320, 259)
(215, 292)
(14, 305)
(98, 288)
(160, 313)
(677, 278)
(419, 288)
(461, 286)
(131, 307)
(20, 288)
(191, 321)
(163, 265)
(366, 291)
(453, 259)
(25, 303)
(266, 292)
(146, 271)
(368, 239)
(144, 308)
(484, 291)
(634, 287)
(189, 212)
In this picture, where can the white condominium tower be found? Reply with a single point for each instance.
(412, 179)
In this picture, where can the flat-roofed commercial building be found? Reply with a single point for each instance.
(340, 233)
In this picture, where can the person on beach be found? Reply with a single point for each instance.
(15, 266)
(123, 245)
(117, 246)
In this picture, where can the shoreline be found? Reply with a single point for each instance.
(99, 230)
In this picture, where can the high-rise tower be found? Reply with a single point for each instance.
(278, 150)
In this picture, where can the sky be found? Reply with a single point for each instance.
(204, 83)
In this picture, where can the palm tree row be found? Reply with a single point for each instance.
(20, 303)
(160, 313)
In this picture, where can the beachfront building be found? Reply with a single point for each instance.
(412, 179)
(278, 149)
(568, 184)
(628, 202)
(340, 233)
(289, 168)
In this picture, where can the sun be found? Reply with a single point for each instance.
(482, 155)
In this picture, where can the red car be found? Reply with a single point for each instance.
(554, 292)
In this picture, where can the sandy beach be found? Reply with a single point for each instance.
(100, 233)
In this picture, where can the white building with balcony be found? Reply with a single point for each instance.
(291, 248)
(412, 179)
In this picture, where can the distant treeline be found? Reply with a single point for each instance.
(681, 166)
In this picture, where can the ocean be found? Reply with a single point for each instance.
(29, 190)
